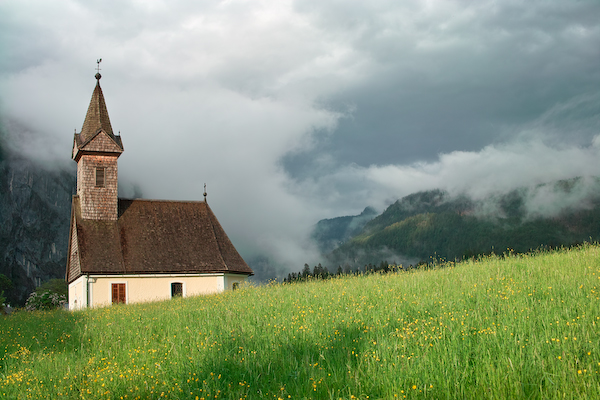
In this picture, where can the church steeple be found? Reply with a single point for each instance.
(97, 115)
(96, 150)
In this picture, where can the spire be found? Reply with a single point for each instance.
(97, 115)
(96, 150)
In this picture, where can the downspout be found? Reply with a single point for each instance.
(87, 290)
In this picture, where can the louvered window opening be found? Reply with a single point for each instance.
(176, 289)
(100, 176)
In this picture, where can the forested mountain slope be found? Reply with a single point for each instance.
(330, 233)
(434, 224)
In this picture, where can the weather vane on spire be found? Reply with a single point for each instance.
(98, 76)
(205, 192)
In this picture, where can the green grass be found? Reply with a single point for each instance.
(514, 327)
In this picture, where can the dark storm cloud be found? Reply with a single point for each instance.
(449, 76)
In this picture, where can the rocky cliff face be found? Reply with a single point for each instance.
(35, 207)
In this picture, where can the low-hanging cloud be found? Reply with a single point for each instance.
(495, 169)
(295, 111)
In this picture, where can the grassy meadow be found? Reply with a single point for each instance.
(502, 327)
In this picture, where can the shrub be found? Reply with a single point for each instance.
(46, 300)
(52, 294)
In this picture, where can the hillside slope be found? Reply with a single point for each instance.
(432, 224)
(519, 327)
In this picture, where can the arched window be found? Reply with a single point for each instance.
(176, 289)
(235, 285)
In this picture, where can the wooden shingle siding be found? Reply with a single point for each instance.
(99, 203)
(74, 265)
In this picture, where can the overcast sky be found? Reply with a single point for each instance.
(293, 111)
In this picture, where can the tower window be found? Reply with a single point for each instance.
(100, 176)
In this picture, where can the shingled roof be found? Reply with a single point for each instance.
(96, 120)
(154, 237)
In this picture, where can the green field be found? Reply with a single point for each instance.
(502, 327)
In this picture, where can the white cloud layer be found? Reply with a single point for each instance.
(295, 111)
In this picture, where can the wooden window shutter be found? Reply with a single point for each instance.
(118, 293)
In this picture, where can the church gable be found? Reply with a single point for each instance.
(73, 260)
(100, 143)
(103, 143)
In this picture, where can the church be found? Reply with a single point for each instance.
(130, 251)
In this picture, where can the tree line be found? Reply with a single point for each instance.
(321, 272)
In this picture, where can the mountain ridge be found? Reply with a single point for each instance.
(436, 224)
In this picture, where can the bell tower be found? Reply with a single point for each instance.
(96, 150)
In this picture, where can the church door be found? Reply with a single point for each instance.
(118, 293)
